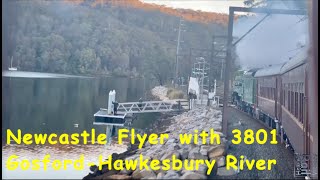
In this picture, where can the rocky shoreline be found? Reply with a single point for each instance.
(160, 92)
(201, 118)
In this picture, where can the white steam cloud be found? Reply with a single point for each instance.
(273, 41)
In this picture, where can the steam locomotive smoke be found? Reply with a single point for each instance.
(276, 39)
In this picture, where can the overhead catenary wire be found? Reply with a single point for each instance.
(301, 19)
(302, 46)
(250, 30)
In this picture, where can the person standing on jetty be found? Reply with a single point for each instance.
(140, 103)
(115, 107)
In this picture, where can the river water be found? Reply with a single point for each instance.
(53, 103)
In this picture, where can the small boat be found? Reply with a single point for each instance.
(12, 68)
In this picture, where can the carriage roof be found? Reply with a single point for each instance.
(296, 61)
(269, 71)
(251, 72)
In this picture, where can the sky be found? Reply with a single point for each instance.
(274, 41)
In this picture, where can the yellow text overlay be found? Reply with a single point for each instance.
(139, 163)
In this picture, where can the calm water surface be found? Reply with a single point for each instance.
(45, 103)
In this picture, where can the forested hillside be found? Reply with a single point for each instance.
(78, 38)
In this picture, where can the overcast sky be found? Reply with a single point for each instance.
(219, 6)
(272, 42)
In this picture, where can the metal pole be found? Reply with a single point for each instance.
(210, 67)
(202, 82)
(211, 59)
(221, 68)
(226, 72)
(190, 60)
(177, 51)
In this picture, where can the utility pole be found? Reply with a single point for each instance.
(210, 63)
(221, 72)
(214, 53)
(210, 66)
(177, 51)
(190, 60)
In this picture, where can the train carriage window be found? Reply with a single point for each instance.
(289, 100)
(292, 102)
(270, 93)
(283, 97)
(296, 105)
(266, 92)
(301, 107)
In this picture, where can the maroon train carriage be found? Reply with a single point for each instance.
(268, 84)
(293, 95)
(281, 100)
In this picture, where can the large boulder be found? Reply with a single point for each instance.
(169, 155)
(171, 175)
(183, 153)
(125, 171)
(133, 157)
(204, 149)
(137, 174)
(217, 151)
(222, 171)
(220, 161)
(160, 175)
(202, 169)
(195, 154)
(119, 176)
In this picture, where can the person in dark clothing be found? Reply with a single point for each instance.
(115, 107)
(140, 103)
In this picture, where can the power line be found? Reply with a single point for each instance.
(297, 48)
(289, 8)
(300, 18)
(296, 54)
(250, 30)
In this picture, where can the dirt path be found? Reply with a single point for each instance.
(285, 165)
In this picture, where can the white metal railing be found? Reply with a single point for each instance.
(148, 106)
